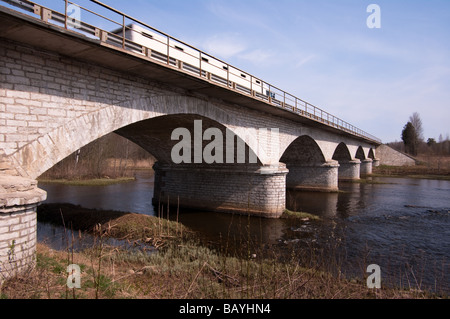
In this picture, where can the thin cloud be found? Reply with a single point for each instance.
(258, 56)
(225, 45)
(239, 13)
(305, 60)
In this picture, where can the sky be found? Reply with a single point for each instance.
(323, 52)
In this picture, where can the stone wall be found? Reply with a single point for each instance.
(388, 156)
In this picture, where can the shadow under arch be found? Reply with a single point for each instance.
(342, 153)
(360, 154)
(303, 149)
(371, 154)
(155, 136)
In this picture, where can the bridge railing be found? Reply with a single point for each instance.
(138, 38)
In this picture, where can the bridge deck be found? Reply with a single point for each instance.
(163, 59)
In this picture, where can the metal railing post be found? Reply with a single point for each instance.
(65, 14)
(123, 31)
(200, 58)
(168, 51)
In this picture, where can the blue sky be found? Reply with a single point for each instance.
(323, 52)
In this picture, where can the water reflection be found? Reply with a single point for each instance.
(234, 228)
(349, 201)
(128, 197)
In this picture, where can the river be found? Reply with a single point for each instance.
(400, 224)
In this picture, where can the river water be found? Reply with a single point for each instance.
(400, 224)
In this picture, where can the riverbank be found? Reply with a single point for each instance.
(180, 267)
(114, 171)
(103, 172)
(421, 171)
(89, 182)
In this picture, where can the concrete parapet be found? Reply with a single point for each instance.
(316, 177)
(254, 190)
(19, 198)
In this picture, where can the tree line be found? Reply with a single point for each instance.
(413, 141)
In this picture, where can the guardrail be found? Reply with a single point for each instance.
(149, 43)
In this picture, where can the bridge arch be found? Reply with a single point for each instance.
(307, 165)
(303, 150)
(366, 161)
(41, 154)
(155, 136)
(342, 153)
(237, 187)
(349, 167)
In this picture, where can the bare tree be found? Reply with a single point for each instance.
(416, 121)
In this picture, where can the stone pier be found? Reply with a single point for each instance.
(376, 162)
(366, 167)
(316, 177)
(349, 170)
(19, 198)
(253, 190)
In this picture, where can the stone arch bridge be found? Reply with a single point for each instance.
(60, 90)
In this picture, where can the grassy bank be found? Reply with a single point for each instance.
(178, 272)
(427, 167)
(180, 267)
(417, 171)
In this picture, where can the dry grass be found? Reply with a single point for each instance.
(289, 214)
(111, 170)
(180, 268)
(183, 272)
(435, 167)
